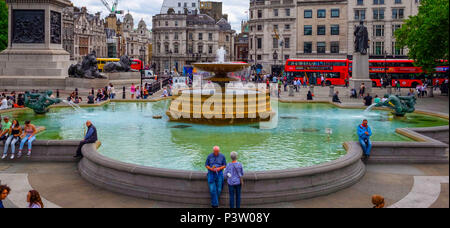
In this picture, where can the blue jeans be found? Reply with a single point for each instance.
(24, 140)
(11, 141)
(215, 182)
(366, 147)
(235, 190)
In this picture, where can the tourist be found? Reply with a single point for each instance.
(364, 133)
(234, 173)
(336, 97)
(4, 128)
(353, 93)
(346, 82)
(29, 136)
(165, 93)
(378, 201)
(215, 164)
(133, 90)
(309, 96)
(397, 84)
(4, 192)
(34, 199)
(322, 80)
(376, 100)
(411, 92)
(111, 91)
(15, 131)
(362, 90)
(90, 137)
(4, 103)
(368, 100)
(91, 99)
(20, 101)
(138, 92)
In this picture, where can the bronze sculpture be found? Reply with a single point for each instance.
(399, 104)
(124, 65)
(40, 102)
(361, 38)
(86, 69)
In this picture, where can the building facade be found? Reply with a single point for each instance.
(213, 9)
(382, 18)
(241, 44)
(273, 32)
(322, 29)
(181, 6)
(182, 39)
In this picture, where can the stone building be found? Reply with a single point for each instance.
(267, 19)
(382, 18)
(322, 29)
(136, 40)
(182, 39)
(83, 33)
(180, 6)
(241, 44)
(213, 9)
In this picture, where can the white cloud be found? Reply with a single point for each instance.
(145, 9)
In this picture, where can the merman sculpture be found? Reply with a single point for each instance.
(40, 102)
(399, 104)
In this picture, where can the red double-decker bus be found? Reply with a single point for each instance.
(335, 71)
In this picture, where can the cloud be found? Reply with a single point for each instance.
(145, 9)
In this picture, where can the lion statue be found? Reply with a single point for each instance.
(86, 69)
(124, 65)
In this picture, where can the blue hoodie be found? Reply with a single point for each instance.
(362, 130)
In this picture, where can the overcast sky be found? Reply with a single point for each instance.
(147, 8)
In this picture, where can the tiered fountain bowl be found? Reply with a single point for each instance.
(248, 105)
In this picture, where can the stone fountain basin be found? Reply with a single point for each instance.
(221, 68)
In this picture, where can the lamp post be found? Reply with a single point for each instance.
(170, 62)
(142, 52)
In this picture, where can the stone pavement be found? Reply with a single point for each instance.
(61, 184)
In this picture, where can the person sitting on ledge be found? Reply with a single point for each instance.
(364, 133)
(309, 96)
(91, 99)
(90, 137)
(336, 97)
(28, 135)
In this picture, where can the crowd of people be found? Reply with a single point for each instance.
(12, 100)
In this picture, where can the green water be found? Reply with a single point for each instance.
(129, 133)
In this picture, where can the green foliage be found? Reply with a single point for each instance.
(426, 35)
(3, 25)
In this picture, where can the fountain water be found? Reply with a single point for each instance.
(220, 54)
(370, 107)
(73, 105)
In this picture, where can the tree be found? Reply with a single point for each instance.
(426, 34)
(3, 25)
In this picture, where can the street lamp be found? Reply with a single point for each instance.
(275, 57)
(142, 52)
(170, 62)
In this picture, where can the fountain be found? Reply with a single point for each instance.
(222, 104)
(40, 102)
(399, 104)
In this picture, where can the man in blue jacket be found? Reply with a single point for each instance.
(91, 137)
(364, 133)
(215, 164)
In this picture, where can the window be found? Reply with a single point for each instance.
(334, 47)
(360, 14)
(227, 38)
(259, 57)
(191, 36)
(167, 23)
(394, 28)
(175, 48)
(320, 47)
(200, 48)
(185, 4)
(193, 4)
(210, 49)
(334, 13)
(179, 4)
(378, 48)
(286, 57)
(210, 36)
(378, 30)
(287, 42)
(166, 36)
(190, 49)
(259, 27)
(259, 43)
(321, 30)
(398, 1)
(259, 13)
(288, 12)
(307, 14)
(176, 36)
(275, 43)
(307, 47)
(378, 2)
(200, 36)
(287, 26)
(176, 23)
(166, 48)
(275, 27)
(251, 14)
(397, 13)
(307, 30)
(397, 51)
(359, 2)
(275, 12)
(378, 14)
(321, 13)
(334, 29)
